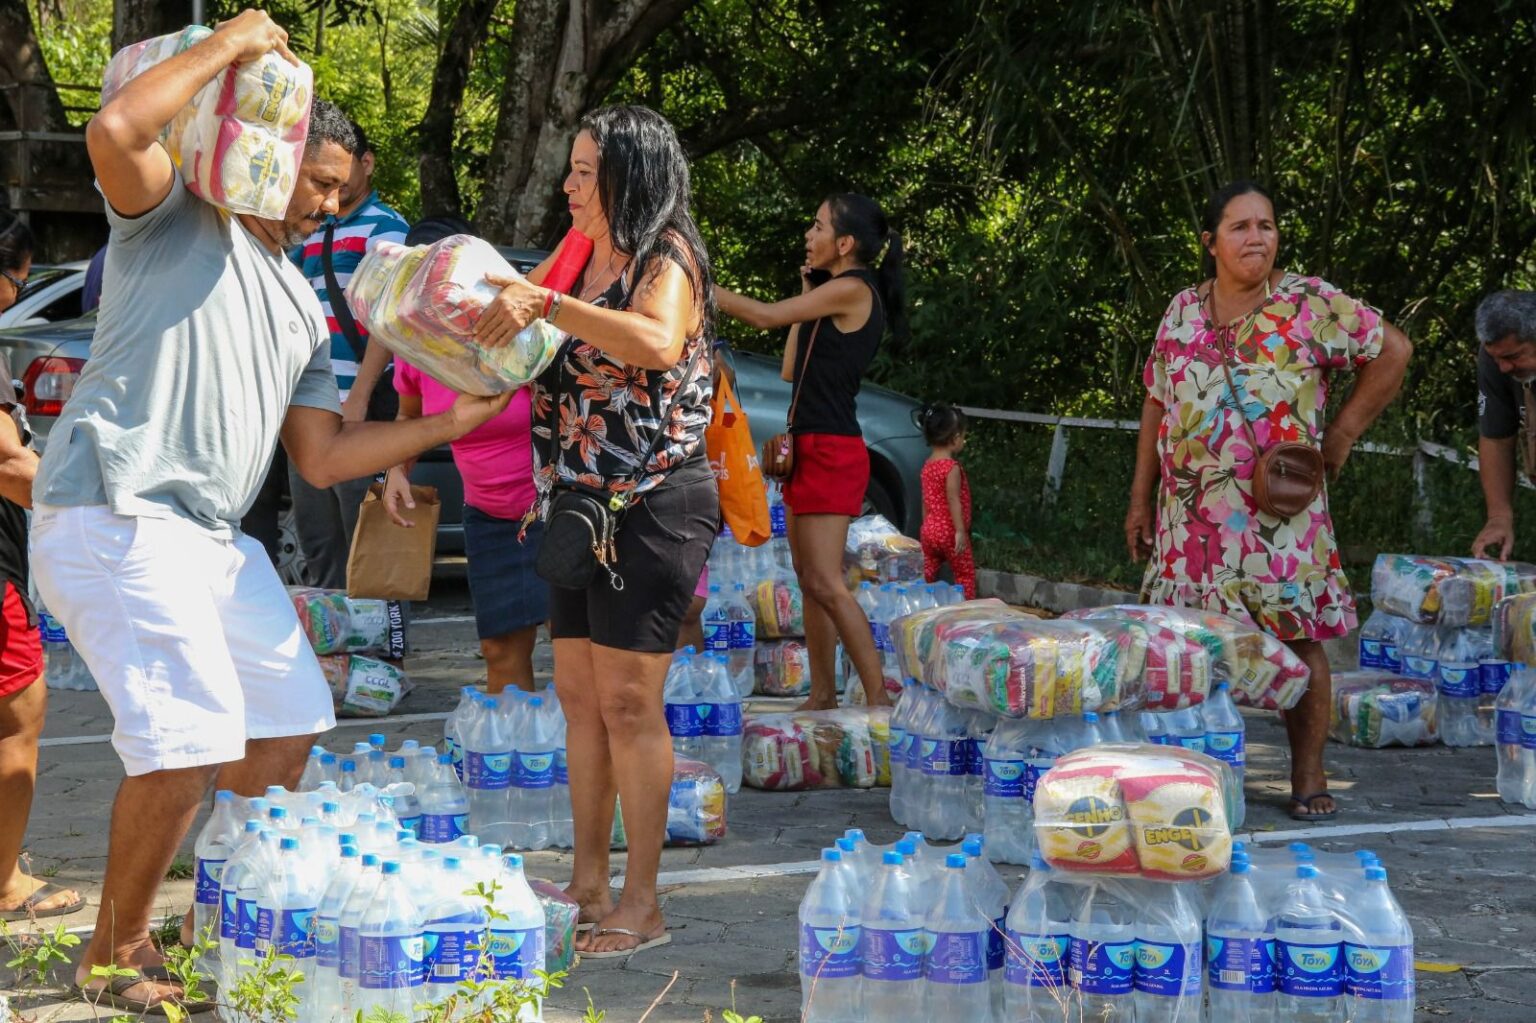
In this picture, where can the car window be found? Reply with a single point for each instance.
(65, 307)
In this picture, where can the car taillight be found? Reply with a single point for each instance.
(48, 383)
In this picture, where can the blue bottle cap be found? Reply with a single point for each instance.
(377, 740)
(955, 861)
(891, 859)
(330, 807)
(1305, 871)
(252, 825)
(831, 856)
(915, 837)
(906, 847)
(348, 765)
(1298, 847)
(847, 845)
(972, 846)
(714, 588)
(277, 813)
(450, 863)
(1037, 861)
(1239, 847)
(490, 850)
(288, 843)
(445, 758)
(401, 834)
(514, 860)
(1090, 717)
(391, 867)
(370, 859)
(328, 759)
(397, 762)
(1240, 865)
(537, 701)
(224, 796)
(347, 838)
(348, 852)
(1306, 857)
(1375, 873)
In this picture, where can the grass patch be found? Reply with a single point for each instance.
(183, 868)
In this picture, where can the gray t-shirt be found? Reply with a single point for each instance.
(203, 341)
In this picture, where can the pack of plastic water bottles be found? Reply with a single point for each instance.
(730, 631)
(844, 748)
(703, 708)
(1462, 663)
(910, 933)
(1449, 592)
(240, 140)
(1515, 739)
(373, 918)
(956, 771)
(1375, 709)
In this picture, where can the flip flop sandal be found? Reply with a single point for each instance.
(115, 995)
(28, 909)
(641, 943)
(1309, 815)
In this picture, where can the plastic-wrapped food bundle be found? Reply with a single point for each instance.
(423, 303)
(240, 140)
(780, 607)
(1373, 709)
(1514, 629)
(561, 913)
(782, 668)
(916, 638)
(1446, 591)
(338, 624)
(364, 687)
(1263, 671)
(1136, 810)
(877, 552)
(695, 806)
(1151, 667)
(845, 748)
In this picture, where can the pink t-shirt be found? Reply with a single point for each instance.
(495, 459)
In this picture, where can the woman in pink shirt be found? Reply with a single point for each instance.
(495, 461)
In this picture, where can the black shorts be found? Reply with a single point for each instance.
(663, 544)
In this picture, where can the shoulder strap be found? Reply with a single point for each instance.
(805, 367)
(338, 298)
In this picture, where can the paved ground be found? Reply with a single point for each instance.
(1461, 861)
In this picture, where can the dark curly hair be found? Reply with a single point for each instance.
(942, 424)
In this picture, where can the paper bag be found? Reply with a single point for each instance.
(390, 562)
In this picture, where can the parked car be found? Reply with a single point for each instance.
(44, 361)
(53, 293)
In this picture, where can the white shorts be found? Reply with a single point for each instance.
(192, 638)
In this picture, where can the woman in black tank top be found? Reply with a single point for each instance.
(836, 323)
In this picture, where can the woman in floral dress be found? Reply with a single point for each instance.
(1192, 505)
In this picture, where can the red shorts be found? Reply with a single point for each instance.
(21, 647)
(830, 476)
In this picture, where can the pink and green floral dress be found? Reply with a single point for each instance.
(1214, 549)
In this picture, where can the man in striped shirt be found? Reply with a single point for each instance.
(325, 519)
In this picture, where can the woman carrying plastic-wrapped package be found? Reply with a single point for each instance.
(630, 387)
(1242, 363)
(851, 289)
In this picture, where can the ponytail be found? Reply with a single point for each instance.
(861, 218)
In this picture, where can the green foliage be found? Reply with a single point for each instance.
(33, 957)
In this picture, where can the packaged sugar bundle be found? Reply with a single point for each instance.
(1263, 671)
(1446, 591)
(1375, 709)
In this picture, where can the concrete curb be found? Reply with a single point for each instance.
(1047, 594)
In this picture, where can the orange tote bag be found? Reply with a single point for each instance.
(738, 473)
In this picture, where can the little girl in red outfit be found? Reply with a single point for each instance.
(946, 533)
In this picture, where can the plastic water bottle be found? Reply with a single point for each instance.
(829, 944)
(1528, 744)
(454, 923)
(1185, 728)
(990, 894)
(720, 709)
(901, 721)
(1102, 955)
(314, 773)
(1152, 724)
(1378, 962)
(945, 766)
(743, 639)
(1420, 649)
(777, 518)
(1240, 942)
(1458, 680)
(680, 696)
(888, 607)
(517, 929)
(1007, 820)
(350, 947)
(214, 844)
(444, 806)
(1514, 760)
(955, 973)
(457, 725)
(231, 877)
(893, 947)
(1170, 961)
(406, 806)
(323, 999)
(1308, 950)
(562, 826)
(533, 779)
(1376, 635)
(487, 770)
(286, 908)
(392, 950)
(1226, 740)
(979, 727)
(250, 882)
(716, 621)
(1035, 982)
(63, 668)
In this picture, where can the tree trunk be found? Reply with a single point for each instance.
(31, 102)
(436, 132)
(566, 57)
(133, 20)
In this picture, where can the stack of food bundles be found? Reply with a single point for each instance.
(360, 644)
(423, 302)
(780, 606)
(695, 806)
(1514, 628)
(1450, 592)
(240, 140)
(782, 668)
(843, 748)
(1376, 709)
(1136, 810)
(877, 552)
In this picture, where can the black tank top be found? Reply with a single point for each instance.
(828, 373)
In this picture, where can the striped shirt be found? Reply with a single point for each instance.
(356, 235)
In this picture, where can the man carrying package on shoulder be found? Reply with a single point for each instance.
(209, 347)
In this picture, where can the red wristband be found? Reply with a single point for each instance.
(549, 296)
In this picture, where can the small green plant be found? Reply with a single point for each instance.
(34, 956)
(267, 989)
(182, 869)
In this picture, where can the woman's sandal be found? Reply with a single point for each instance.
(28, 910)
(1309, 815)
(641, 943)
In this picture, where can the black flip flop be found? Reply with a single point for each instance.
(1311, 816)
(28, 909)
(115, 995)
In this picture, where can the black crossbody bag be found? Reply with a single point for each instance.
(582, 522)
(383, 402)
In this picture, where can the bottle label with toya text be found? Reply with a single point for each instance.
(1037, 960)
(1100, 968)
(1310, 971)
(1378, 972)
(829, 953)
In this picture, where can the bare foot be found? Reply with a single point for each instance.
(12, 900)
(880, 699)
(647, 922)
(594, 904)
(818, 703)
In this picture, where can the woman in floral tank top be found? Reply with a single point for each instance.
(1210, 545)
(636, 370)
